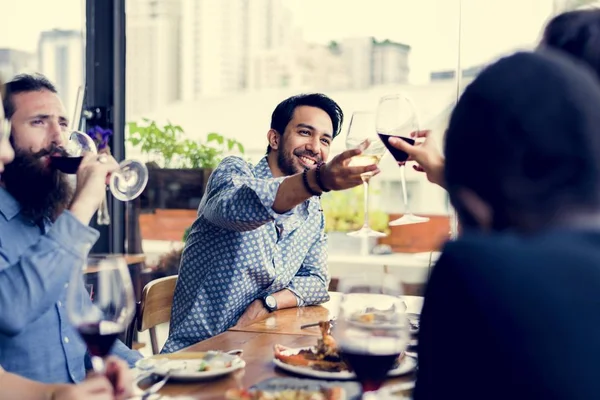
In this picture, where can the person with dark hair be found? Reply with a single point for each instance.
(44, 237)
(511, 307)
(259, 243)
(576, 33)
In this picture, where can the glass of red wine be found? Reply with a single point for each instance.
(397, 117)
(125, 184)
(371, 329)
(102, 306)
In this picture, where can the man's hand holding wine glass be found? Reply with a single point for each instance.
(92, 176)
(338, 175)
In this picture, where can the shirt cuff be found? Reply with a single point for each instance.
(72, 235)
(299, 301)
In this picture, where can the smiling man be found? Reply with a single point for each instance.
(259, 243)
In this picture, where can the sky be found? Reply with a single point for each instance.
(489, 27)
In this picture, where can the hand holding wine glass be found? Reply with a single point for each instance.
(426, 154)
(102, 306)
(397, 117)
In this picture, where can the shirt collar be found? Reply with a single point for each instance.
(262, 170)
(9, 206)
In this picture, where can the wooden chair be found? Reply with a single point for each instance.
(155, 306)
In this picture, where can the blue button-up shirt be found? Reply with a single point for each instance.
(239, 250)
(37, 340)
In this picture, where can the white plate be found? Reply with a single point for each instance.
(184, 366)
(407, 365)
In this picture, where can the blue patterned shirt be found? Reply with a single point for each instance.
(37, 340)
(239, 250)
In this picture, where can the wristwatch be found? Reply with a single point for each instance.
(270, 303)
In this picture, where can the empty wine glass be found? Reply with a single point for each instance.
(361, 129)
(103, 306)
(397, 117)
(371, 329)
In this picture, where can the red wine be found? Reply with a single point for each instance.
(371, 369)
(67, 165)
(99, 337)
(399, 155)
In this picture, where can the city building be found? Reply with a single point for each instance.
(61, 58)
(153, 55)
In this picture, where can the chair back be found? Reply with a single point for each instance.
(157, 299)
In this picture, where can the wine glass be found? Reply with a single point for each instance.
(361, 129)
(127, 183)
(103, 306)
(371, 329)
(397, 117)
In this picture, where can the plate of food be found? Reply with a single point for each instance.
(323, 361)
(192, 366)
(324, 393)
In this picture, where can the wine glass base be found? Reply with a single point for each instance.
(366, 232)
(408, 219)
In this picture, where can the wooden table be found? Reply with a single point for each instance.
(258, 353)
(257, 341)
(290, 321)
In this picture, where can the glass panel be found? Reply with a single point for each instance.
(50, 41)
(221, 66)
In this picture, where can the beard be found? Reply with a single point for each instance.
(42, 192)
(288, 161)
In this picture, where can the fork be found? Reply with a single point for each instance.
(156, 387)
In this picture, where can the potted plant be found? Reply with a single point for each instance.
(180, 167)
(344, 212)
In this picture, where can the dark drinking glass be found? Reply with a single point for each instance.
(102, 306)
(371, 329)
(397, 116)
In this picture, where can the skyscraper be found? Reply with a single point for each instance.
(61, 58)
(153, 55)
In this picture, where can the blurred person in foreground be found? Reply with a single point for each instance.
(511, 307)
(259, 242)
(44, 237)
(576, 33)
(95, 387)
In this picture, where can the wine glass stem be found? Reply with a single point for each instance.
(365, 181)
(103, 217)
(98, 364)
(404, 193)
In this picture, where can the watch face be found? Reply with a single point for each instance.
(271, 302)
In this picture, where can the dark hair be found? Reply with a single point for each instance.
(578, 34)
(524, 138)
(24, 83)
(283, 113)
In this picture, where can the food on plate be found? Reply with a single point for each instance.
(325, 356)
(333, 393)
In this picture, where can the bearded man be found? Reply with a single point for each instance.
(259, 243)
(44, 237)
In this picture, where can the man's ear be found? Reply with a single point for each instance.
(478, 210)
(274, 139)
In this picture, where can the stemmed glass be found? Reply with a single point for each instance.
(361, 129)
(371, 329)
(102, 308)
(125, 184)
(397, 117)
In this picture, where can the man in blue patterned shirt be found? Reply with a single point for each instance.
(44, 237)
(259, 243)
